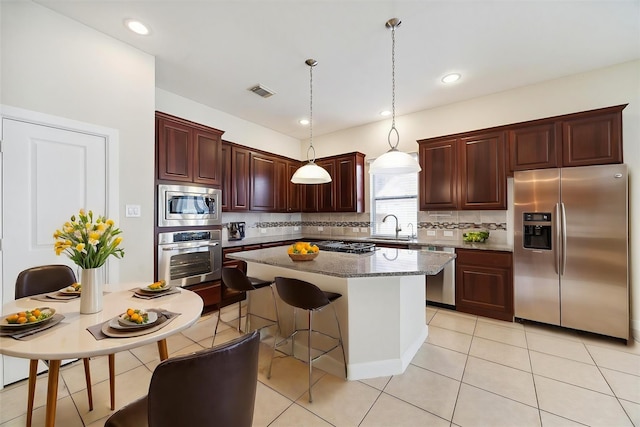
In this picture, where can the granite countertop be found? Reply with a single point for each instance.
(381, 262)
(413, 243)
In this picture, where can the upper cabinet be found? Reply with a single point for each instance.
(262, 178)
(258, 181)
(581, 139)
(439, 175)
(187, 151)
(345, 192)
(465, 171)
(593, 137)
(535, 146)
(481, 163)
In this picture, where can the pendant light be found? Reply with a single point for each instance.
(311, 173)
(394, 161)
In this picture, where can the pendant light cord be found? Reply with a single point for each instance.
(311, 114)
(393, 89)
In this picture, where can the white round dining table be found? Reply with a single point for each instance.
(70, 339)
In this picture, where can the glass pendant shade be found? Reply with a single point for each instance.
(394, 162)
(311, 174)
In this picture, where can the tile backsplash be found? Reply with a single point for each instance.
(432, 225)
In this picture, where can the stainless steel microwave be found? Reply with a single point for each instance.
(182, 205)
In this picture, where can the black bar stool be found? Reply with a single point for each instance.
(307, 296)
(236, 279)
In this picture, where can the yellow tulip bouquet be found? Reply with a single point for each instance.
(87, 243)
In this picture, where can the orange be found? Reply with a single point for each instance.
(130, 312)
(22, 319)
(36, 312)
(32, 318)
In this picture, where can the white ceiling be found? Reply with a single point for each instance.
(212, 51)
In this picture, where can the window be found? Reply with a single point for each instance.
(397, 195)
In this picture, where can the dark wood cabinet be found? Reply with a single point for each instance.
(439, 175)
(345, 192)
(580, 139)
(536, 146)
(240, 160)
(593, 138)
(350, 183)
(225, 199)
(327, 191)
(465, 171)
(294, 191)
(484, 283)
(187, 151)
(483, 181)
(262, 178)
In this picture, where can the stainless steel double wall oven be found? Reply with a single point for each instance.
(189, 239)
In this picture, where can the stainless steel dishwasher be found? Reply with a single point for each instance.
(441, 288)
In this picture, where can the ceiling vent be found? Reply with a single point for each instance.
(262, 91)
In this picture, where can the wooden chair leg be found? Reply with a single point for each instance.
(87, 376)
(33, 372)
(112, 380)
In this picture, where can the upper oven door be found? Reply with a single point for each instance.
(181, 205)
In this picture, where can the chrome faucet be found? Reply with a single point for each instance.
(398, 229)
(412, 235)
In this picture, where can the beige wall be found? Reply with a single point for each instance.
(53, 65)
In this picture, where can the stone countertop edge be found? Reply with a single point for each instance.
(402, 262)
(487, 246)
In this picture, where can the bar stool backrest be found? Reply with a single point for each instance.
(43, 279)
(301, 294)
(235, 279)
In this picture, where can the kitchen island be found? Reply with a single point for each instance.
(382, 308)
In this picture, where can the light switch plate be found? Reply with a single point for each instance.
(431, 232)
(132, 211)
(364, 230)
(448, 233)
(296, 228)
(263, 230)
(354, 229)
(320, 228)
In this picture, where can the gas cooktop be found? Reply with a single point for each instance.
(348, 247)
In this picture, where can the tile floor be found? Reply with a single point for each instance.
(471, 371)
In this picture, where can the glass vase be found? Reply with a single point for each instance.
(91, 280)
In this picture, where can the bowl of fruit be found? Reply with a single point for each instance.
(303, 251)
(475, 236)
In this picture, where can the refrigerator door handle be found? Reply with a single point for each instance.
(557, 254)
(564, 238)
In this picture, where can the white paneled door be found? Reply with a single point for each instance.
(49, 173)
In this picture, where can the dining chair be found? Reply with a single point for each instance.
(235, 278)
(306, 296)
(41, 280)
(214, 386)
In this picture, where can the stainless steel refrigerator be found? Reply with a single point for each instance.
(571, 248)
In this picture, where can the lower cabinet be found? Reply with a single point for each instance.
(210, 292)
(484, 283)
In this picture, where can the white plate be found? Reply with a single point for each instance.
(162, 289)
(6, 324)
(69, 292)
(152, 316)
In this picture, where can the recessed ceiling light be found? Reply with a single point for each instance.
(385, 113)
(450, 78)
(137, 27)
(304, 121)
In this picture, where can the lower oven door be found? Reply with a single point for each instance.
(181, 264)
